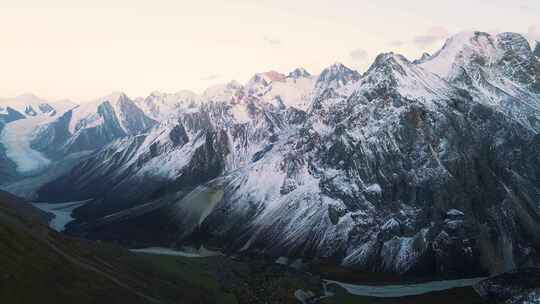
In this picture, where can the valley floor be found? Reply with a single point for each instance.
(246, 280)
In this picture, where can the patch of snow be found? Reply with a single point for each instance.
(394, 291)
(282, 260)
(454, 212)
(391, 223)
(375, 188)
(62, 213)
(240, 113)
(200, 253)
(292, 92)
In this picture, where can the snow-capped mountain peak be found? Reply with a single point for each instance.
(115, 97)
(336, 75)
(299, 73)
(425, 57)
(266, 77)
(30, 105)
(160, 106)
(395, 72)
(260, 83)
(496, 70)
(114, 109)
(460, 48)
(479, 55)
(389, 60)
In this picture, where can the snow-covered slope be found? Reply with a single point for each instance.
(499, 71)
(35, 133)
(244, 121)
(92, 125)
(129, 117)
(299, 87)
(296, 90)
(160, 106)
(223, 133)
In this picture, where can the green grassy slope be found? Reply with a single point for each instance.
(38, 265)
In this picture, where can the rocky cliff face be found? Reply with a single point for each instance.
(417, 167)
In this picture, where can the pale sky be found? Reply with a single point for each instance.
(85, 49)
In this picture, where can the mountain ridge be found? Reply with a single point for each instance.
(422, 166)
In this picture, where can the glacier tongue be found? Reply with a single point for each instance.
(16, 137)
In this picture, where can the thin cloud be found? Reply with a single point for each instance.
(210, 77)
(271, 40)
(359, 54)
(435, 34)
(525, 8)
(397, 43)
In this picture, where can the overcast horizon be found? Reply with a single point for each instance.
(83, 51)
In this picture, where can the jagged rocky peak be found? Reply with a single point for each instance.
(517, 61)
(160, 106)
(389, 62)
(299, 73)
(113, 109)
(260, 83)
(475, 48)
(171, 98)
(425, 57)
(267, 77)
(31, 105)
(515, 43)
(460, 49)
(115, 97)
(337, 75)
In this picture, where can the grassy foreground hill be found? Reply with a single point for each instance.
(39, 265)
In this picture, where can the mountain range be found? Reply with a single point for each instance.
(429, 166)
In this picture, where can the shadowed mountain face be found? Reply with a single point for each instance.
(423, 167)
(42, 266)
